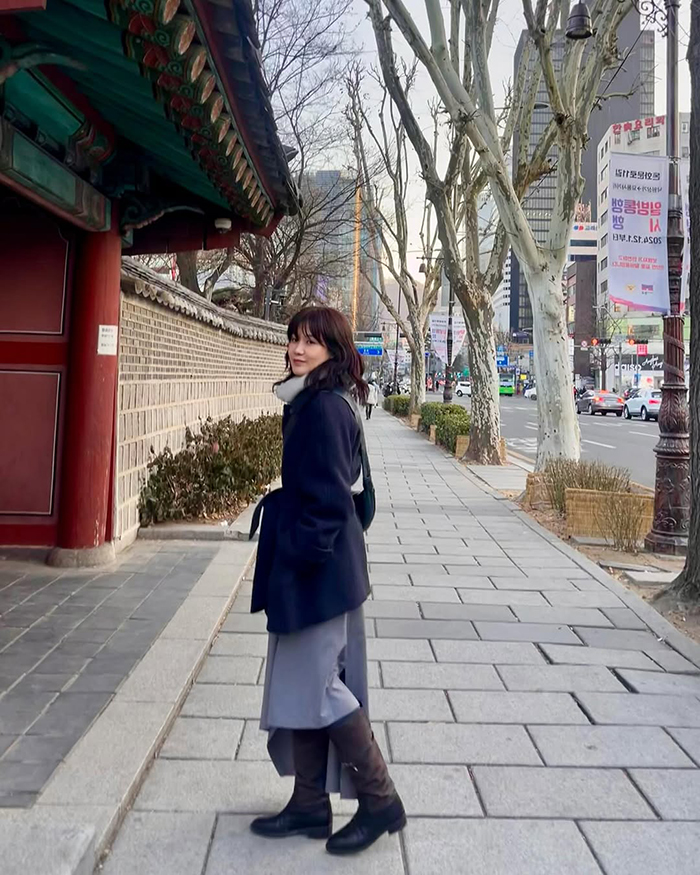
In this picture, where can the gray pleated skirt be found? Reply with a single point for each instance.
(312, 679)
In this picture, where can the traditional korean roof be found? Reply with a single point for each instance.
(160, 103)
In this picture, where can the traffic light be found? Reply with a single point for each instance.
(594, 341)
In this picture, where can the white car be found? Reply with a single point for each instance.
(463, 387)
(646, 404)
(531, 393)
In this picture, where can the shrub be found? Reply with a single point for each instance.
(450, 425)
(397, 404)
(563, 474)
(622, 520)
(432, 412)
(220, 469)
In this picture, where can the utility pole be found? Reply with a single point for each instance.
(669, 533)
(447, 391)
(396, 351)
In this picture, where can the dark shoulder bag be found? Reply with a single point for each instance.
(365, 501)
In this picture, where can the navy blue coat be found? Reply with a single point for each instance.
(312, 563)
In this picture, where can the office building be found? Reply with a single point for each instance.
(635, 76)
(501, 299)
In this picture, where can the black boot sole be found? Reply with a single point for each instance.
(312, 832)
(397, 826)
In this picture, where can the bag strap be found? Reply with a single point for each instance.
(364, 455)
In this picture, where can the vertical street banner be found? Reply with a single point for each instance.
(685, 200)
(438, 334)
(638, 220)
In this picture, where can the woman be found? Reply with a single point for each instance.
(311, 579)
(372, 399)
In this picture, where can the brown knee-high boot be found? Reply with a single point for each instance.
(308, 812)
(380, 809)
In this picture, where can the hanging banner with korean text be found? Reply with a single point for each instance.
(638, 216)
(685, 200)
(438, 335)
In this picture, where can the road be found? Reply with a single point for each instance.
(609, 439)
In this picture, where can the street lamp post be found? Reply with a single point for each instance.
(669, 533)
(447, 391)
(396, 351)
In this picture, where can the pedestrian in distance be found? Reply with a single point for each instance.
(372, 399)
(311, 579)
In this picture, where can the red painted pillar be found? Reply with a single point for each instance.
(90, 413)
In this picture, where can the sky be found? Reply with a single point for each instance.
(506, 36)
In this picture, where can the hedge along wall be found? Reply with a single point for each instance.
(181, 359)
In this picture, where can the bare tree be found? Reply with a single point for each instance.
(572, 88)
(688, 583)
(382, 160)
(473, 248)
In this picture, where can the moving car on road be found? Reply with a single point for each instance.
(645, 403)
(596, 401)
(531, 393)
(463, 387)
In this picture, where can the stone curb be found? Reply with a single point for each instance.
(83, 805)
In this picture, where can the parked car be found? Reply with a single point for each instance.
(531, 393)
(463, 387)
(596, 401)
(645, 403)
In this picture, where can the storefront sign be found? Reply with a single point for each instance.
(438, 334)
(637, 237)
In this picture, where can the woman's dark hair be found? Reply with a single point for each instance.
(344, 368)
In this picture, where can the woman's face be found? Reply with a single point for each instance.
(306, 354)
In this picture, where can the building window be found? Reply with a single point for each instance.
(607, 144)
(604, 287)
(633, 136)
(653, 132)
(603, 195)
(604, 216)
(685, 127)
(602, 151)
(618, 139)
(604, 240)
(685, 152)
(604, 264)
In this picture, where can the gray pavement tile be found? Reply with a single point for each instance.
(486, 569)
(624, 618)
(233, 841)
(407, 649)
(661, 682)
(6, 741)
(674, 793)
(414, 593)
(230, 670)
(70, 713)
(203, 738)
(560, 678)
(566, 616)
(459, 743)
(17, 799)
(441, 676)
(384, 572)
(641, 709)
(256, 623)
(451, 559)
(579, 599)
(215, 785)
(425, 629)
(497, 847)
(436, 791)
(501, 597)
(224, 700)
(515, 791)
(35, 682)
(22, 777)
(689, 740)
(433, 611)
(645, 848)
(96, 683)
(410, 704)
(672, 661)
(620, 639)
(161, 844)
(490, 652)
(560, 653)
(457, 580)
(240, 644)
(391, 609)
(582, 581)
(506, 707)
(37, 749)
(535, 632)
(608, 746)
(111, 664)
(543, 583)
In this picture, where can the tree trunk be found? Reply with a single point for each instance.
(485, 428)
(187, 265)
(688, 583)
(418, 375)
(559, 435)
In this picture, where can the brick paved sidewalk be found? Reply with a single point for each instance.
(534, 723)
